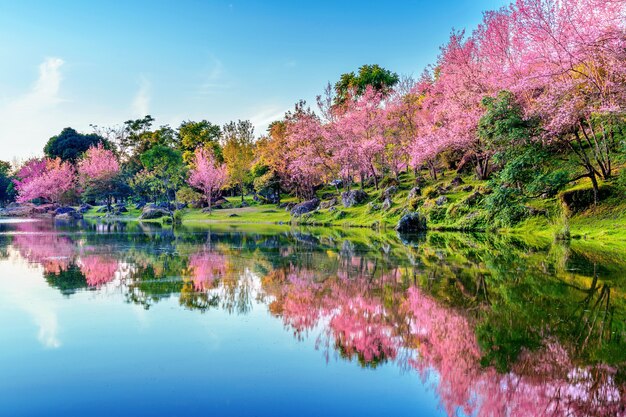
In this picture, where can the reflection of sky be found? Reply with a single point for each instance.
(23, 289)
(113, 357)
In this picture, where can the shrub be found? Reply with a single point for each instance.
(188, 196)
(430, 192)
(415, 203)
(504, 206)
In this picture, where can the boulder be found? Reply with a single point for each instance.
(150, 213)
(473, 198)
(440, 201)
(411, 222)
(305, 207)
(414, 193)
(390, 192)
(18, 210)
(328, 196)
(372, 207)
(69, 215)
(386, 204)
(84, 208)
(336, 183)
(328, 204)
(64, 210)
(244, 204)
(353, 197)
(268, 195)
(456, 181)
(45, 209)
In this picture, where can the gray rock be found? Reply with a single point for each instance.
(70, 215)
(150, 213)
(328, 204)
(411, 222)
(18, 210)
(440, 201)
(64, 210)
(456, 181)
(386, 204)
(353, 197)
(372, 207)
(390, 192)
(305, 207)
(336, 183)
(473, 198)
(414, 193)
(84, 208)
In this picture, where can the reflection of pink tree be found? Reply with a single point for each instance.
(360, 326)
(98, 270)
(53, 252)
(545, 383)
(206, 268)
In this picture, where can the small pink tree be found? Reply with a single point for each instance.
(207, 174)
(49, 183)
(97, 173)
(98, 164)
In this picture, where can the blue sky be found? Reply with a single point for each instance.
(73, 63)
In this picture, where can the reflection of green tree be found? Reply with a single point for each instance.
(155, 277)
(68, 281)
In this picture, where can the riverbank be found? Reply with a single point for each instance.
(453, 203)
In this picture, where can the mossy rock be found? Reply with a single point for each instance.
(581, 199)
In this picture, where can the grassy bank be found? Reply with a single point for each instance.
(451, 202)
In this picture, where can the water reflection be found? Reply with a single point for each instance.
(499, 326)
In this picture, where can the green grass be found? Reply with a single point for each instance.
(602, 227)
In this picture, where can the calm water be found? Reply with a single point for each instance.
(115, 319)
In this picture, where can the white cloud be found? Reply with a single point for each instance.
(213, 78)
(264, 116)
(27, 119)
(141, 101)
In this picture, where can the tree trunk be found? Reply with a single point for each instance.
(594, 183)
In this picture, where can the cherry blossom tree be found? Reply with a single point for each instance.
(98, 172)
(207, 175)
(48, 183)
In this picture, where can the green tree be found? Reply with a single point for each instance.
(380, 79)
(166, 167)
(199, 134)
(69, 145)
(7, 191)
(527, 169)
(238, 152)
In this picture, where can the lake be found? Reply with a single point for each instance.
(101, 319)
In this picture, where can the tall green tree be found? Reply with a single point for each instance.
(238, 152)
(202, 134)
(380, 79)
(165, 166)
(69, 145)
(7, 191)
